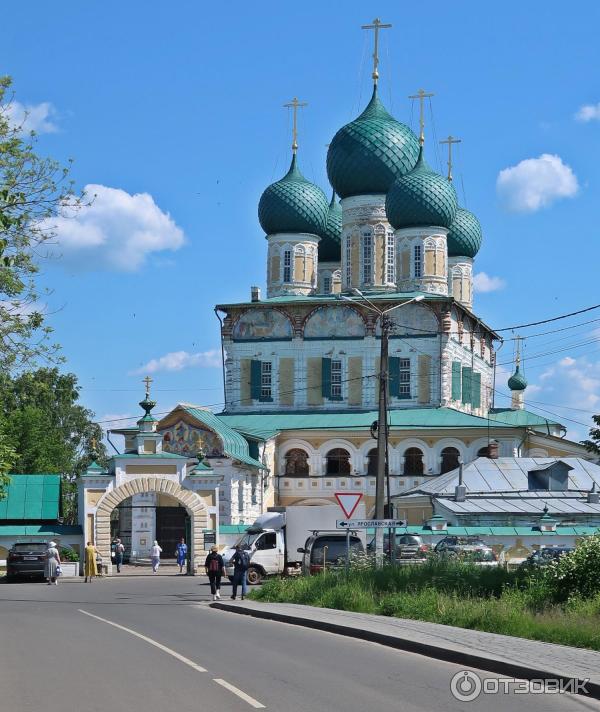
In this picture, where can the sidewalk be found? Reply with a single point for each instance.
(501, 654)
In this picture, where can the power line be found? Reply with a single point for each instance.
(547, 321)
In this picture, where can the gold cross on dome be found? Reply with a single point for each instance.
(294, 104)
(421, 95)
(147, 381)
(450, 140)
(376, 26)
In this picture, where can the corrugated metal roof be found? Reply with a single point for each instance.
(519, 418)
(31, 497)
(234, 444)
(509, 474)
(520, 505)
(405, 418)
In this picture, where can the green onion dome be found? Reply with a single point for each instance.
(368, 154)
(464, 236)
(421, 197)
(293, 204)
(517, 382)
(330, 245)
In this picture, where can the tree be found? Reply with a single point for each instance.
(48, 429)
(33, 191)
(7, 457)
(593, 445)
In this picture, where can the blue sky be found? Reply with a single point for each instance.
(174, 112)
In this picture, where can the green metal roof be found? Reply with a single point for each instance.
(293, 204)
(495, 531)
(421, 197)
(328, 298)
(366, 155)
(464, 236)
(154, 455)
(32, 497)
(330, 246)
(517, 382)
(519, 418)
(45, 530)
(407, 418)
(234, 444)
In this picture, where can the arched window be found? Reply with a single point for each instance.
(287, 266)
(372, 462)
(367, 257)
(483, 452)
(413, 461)
(338, 462)
(296, 463)
(450, 457)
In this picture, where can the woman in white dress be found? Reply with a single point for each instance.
(155, 553)
(52, 564)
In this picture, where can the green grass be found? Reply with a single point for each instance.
(491, 599)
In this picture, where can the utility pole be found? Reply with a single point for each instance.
(382, 435)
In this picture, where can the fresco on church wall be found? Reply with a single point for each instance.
(184, 439)
(413, 319)
(334, 322)
(262, 324)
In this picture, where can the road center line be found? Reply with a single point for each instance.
(145, 638)
(250, 700)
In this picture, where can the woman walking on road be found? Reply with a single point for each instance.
(155, 553)
(90, 567)
(241, 563)
(181, 554)
(51, 568)
(215, 568)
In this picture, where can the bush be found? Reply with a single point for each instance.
(576, 573)
(68, 554)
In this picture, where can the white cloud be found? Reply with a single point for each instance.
(178, 360)
(32, 117)
(482, 282)
(535, 183)
(588, 112)
(117, 231)
(567, 361)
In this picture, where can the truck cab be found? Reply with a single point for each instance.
(266, 549)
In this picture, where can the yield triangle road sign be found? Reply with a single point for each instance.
(348, 501)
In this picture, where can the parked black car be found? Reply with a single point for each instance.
(26, 560)
(328, 549)
(465, 547)
(542, 557)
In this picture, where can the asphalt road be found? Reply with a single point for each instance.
(154, 645)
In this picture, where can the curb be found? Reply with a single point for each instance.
(499, 667)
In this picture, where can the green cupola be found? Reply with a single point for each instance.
(293, 205)
(421, 197)
(330, 245)
(465, 236)
(368, 154)
(517, 382)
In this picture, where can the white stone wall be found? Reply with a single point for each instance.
(301, 245)
(431, 240)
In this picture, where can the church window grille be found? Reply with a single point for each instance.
(296, 463)
(390, 259)
(265, 380)
(327, 285)
(348, 261)
(336, 379)
(418, 261)
(287, 266)
(404, 377)
(367, 258)
(338, 462)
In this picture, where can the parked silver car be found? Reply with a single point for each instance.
(469, 548)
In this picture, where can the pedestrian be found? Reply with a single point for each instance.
(241, 564)
(119, 551)
(181, 554)
(90, 568)
(215, 568)
(52, 566)
(155, 553)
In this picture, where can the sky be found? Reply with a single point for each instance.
(173, 116)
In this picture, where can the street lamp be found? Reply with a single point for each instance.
(382, 424)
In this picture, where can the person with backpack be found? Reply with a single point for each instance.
(241, 563)
(119, 550)
(215, 568)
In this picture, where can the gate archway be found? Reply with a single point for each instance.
(194, 505)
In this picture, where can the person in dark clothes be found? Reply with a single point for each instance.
(241, 563)
(215, 569)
